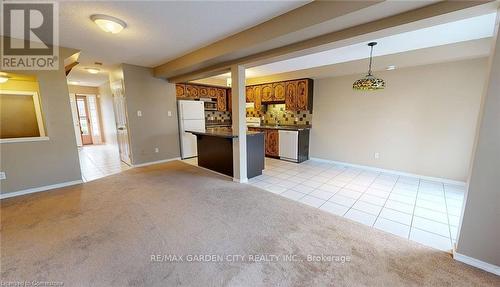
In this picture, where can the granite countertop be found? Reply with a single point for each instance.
(284, 127)
(223, 132)
(218, 124)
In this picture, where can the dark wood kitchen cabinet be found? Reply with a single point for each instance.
(180, 90)
(279, 91)
(266, 93)
(299, 95)
(221, 100)
(249, 95)
(291, 96)
(272, 143)
(257, 94)
(192, 91)
(203, 92)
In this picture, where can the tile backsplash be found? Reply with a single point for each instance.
(273, 113)
(216, 116)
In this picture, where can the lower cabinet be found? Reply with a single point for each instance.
(272, 143)
(285, 144)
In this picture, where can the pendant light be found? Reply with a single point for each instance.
(369, 82)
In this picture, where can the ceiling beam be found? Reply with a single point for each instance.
(403, 22)
(311, 14)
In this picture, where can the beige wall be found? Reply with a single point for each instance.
(479, 235)
(155, 129)
(108, 122)
(35, 164)
(423, 122)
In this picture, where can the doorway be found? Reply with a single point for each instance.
(84, 119)
(120, 110)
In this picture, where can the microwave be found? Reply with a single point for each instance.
(210, 106)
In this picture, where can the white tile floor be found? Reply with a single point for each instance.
(98, 161)
(419, 210)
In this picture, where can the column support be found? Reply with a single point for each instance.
(239, 123)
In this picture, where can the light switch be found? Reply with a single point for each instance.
(169, 113)
(139, 113)
(2, 175)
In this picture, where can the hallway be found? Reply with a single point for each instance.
(98, 161)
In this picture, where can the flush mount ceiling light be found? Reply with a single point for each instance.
(4, 79)
(369, 82)
(108, 24)
(92, 70)
(390, 68)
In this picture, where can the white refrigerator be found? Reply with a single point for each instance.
(191, 118)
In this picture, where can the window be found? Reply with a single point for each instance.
(20, 111)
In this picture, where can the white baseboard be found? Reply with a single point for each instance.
(477, 263)
(155, 162)
(430, 178)
(69, 183)
(38, 189)
(243, 180)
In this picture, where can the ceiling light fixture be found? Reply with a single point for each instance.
(4, 79)
(108, 24)
(93, 70)
(390, 68)
(369, 82)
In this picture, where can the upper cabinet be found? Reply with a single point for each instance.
(266, 93)
(279, 91)
(257, 93)
(221, 100)
(189, 91)
(297, 95)
(291, 96)
(192, 91)
(249, 95)
(300, 93)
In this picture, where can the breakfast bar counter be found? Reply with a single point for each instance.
(215, 150)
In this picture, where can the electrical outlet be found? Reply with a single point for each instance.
(2, 175)
(376, 155)
(157, 150)
(169, 113)
(139, 113)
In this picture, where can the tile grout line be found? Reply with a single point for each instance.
(385, 202)
(447, 215)
(319, 186)
(321, 170)
(315, 188)
(361, 195)
(414, 207)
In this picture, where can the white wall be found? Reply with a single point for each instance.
(424, 122)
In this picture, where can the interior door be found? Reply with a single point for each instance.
(76, 120)
(84, 119)
(120, 109)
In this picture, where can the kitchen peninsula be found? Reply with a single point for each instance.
(215, 150)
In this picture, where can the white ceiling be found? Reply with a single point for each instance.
(470, 29)
(157, 31)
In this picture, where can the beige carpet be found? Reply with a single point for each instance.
(104, 232)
